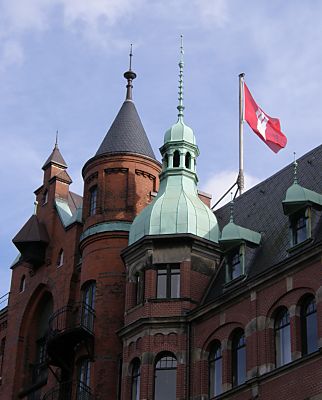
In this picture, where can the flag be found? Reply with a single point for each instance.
(267, 128)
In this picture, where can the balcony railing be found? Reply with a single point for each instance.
(4, 301)
(69, 326)
(70, 317)
(69, 391)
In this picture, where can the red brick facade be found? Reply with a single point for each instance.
(75, 325)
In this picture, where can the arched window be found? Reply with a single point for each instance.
(93, 200)
(282, 338)
(22, 285)
(165, 378)
(238, 350)
(309, 328)
(188, 160)
(215, 370)
(83, 382)
(60, 259)
(88, 305)
(135, 380)
(176, 159)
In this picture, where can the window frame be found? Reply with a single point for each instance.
(213, 361)
(166, 357)
(229, 257)
(169, 274)
(238, 345)
(282, 329)
(304, 315)
(139, 287)
(135, 379)
(295, 231)
(92, 204)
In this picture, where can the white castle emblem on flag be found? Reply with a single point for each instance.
(261, 122)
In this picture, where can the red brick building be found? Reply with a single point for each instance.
(137, 290)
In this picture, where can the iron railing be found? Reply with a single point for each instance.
(69, 391)
(70, 317)
(4, 301)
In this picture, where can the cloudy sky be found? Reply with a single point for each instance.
(61, 67)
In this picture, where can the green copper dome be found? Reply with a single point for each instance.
(179, 131)
(177, 208)
(298, 196)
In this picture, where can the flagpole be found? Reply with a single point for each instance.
(241, 179)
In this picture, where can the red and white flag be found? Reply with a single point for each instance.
(267, 128)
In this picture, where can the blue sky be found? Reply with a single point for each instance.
(61, 67)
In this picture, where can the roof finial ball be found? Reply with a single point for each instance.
(129, 75)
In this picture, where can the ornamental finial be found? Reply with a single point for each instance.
(231, 219)
(295, 168)
(129, 75)
(181, 65)
(56, 141)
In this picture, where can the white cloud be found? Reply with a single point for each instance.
(219, 183)
(213, 12)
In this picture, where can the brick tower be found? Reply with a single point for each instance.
(119, 181)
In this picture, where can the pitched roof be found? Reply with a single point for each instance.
(55, 158)
(126, 135)
(32, 231)
(261, 210)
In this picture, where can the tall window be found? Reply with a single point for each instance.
(282, 338)
(165, 378)
(215, 370)
(238, 358)
(45, 197)
(300, 227)
(60, 259)
(139, 287)
(83, 384)
(309, 328)
(92, 200)
(168, 282)
(22, 285)
(176, 159)
(88, 306)
(135, 384)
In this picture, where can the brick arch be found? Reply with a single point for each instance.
(27, 328)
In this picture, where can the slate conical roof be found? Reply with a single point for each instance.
(126, 135)
(55, 158)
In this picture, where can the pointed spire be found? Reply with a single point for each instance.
(129, 75)
(295, 169)
(56, 141)
(55, 156)
(180, 106)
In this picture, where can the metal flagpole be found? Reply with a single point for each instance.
(241, 134)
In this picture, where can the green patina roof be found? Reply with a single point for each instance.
(297, 196)
(234, 234)
(179, 131)
(177, 208)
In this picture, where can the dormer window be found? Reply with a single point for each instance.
(92, 200)
(235, 263)
(176, 159)
(300, 226)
